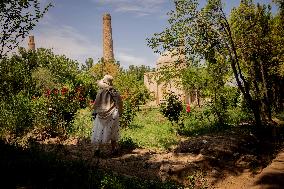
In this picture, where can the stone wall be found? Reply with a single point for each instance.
(168, 62)
(159, 90)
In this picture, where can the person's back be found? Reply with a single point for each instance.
(108, 108)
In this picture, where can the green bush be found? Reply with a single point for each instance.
(40, 110)
(16, 114)
(129, 112)
(82, 124)
(202, 121)
(52, 89)
(198, 121)
(237, 115)
(172, 108)
(110, 182)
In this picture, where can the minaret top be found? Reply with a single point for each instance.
(106, 16)
(31, 43)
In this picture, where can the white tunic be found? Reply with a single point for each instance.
(107, 129)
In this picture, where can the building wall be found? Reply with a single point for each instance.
(158, 91)
(168, 60)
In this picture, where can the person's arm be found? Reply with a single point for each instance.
(97, 101)
(117, 100)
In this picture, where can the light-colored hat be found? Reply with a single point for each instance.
(105, 82)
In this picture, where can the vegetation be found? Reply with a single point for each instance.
(172, 108)
(229, 48)
(17, 19)
(234, 63)
(150, 129)
(134, 93)
(49, 93)
(42, 91)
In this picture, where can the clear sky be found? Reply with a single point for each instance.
(74, 28)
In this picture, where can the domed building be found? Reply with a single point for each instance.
(158, 87)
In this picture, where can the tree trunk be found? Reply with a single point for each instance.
(244, 88)
(266, 97)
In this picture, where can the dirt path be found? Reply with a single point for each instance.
(225, 161)
(162, 165)
(271, 177)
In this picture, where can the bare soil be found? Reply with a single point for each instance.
(236, 158)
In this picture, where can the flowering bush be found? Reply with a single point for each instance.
(49, 90)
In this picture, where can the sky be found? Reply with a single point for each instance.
(74, 28)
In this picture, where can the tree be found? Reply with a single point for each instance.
(251, 33)
(89, 63)
(133, 92)
(102, 68)
(139, 71)
(132, 89)
(277, 37)
(280, 3)
(17, 18)
(206, 34)
(43, 90)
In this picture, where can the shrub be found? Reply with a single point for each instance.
(16, 114)
(82, 124)
(172, 108)
(129, 112)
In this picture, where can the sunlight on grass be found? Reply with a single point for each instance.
(150, 129)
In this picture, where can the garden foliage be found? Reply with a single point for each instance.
(172, 108)
(244, 49)
(42, 90)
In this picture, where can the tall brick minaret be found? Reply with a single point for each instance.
(31, 43)
(107, 38)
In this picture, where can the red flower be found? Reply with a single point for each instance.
(92, 102)
(188, 108)
(48, 92)
(64, 90)
(55, 91)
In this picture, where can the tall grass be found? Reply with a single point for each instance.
(201, 121)
(151, 130)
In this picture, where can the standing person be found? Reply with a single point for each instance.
(107, 110)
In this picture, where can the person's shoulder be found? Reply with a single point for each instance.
(113, 91)
(100, 91)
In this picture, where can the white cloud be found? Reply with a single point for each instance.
(127, 59)
(138, 7)
(65, 40)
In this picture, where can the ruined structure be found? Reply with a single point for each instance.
(107, 38)
(31, 43)
(167, 61)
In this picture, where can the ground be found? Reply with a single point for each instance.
(235, 158)
(243, 156)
